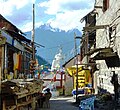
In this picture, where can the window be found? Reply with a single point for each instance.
(105, 5)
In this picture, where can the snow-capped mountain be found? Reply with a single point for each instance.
(49, 27)
(46, 27)
(52, 39)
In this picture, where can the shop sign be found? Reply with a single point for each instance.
(18, 45)
(8, 37)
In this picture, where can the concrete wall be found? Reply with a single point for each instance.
(109, 17)
(68, 85)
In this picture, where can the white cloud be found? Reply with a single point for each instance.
(33, 1)
(26, 27)
(66, 14)
(67, 17)
(68, 20)
(5, 10)
(29, 26)
(52, 5)
(55, 6)
(9, 6)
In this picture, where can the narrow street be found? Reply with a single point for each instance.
(52, 51)
(61, 103)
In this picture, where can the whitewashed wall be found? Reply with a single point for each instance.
(68, 85)
(109, 17)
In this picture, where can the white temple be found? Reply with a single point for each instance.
(56, 64)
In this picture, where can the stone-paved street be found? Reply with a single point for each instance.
(62, 103)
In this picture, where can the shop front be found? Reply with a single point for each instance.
(84, 79)
(11, 57)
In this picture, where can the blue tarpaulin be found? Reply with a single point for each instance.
(87, 104)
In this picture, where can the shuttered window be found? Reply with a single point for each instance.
(105, 5)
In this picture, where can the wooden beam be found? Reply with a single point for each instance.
(98, 7)
(87, 28)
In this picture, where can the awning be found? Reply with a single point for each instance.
(84, 76)
(101, 53)
(72, 70)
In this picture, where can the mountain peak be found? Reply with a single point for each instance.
(48, 26)
(45, 27)
(51, 38)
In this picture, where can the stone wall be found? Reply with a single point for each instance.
(109, 17)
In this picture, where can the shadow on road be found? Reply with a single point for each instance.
(62, 103)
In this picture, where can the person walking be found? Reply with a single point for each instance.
(47, 96)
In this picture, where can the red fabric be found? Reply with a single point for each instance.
(54, 78)
(20, 62)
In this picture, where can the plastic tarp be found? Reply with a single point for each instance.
(72, 70)
(84, 76)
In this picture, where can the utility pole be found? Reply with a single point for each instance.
(33, 34)
(76, 62)
(33, 42)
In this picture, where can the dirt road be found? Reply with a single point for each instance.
(62, 103)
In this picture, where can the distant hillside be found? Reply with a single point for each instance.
(52, 39)
(41, 61)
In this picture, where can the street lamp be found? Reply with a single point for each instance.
(76, 62)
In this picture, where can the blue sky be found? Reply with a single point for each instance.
(62, 14)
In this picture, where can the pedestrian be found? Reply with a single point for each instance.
(47, 97)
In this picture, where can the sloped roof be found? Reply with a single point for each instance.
(18, 36)
(15, 28)
(14, 32)
(70, 62)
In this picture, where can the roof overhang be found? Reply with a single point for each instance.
(90, 13)
(71, 62)
(2, 19)
(18, 36)
(101, 53)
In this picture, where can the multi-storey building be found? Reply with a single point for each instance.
(105, 48)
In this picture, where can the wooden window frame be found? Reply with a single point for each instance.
(105, 5)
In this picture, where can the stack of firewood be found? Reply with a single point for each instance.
(21, 86)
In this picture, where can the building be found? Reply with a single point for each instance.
(15, 51)
(77, 77)
(105, 49)
(70, 79)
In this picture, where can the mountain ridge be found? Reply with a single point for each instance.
(47, 26)
(53, 39)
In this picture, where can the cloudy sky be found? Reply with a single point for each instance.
(62, 14)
